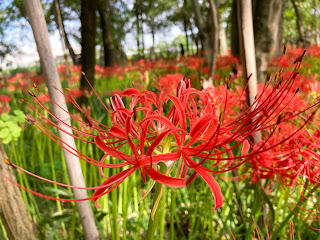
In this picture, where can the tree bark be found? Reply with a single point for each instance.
(40, 32)
(235, 41)
(223, 48)
(142, 36)
(214, 46)
(267, 33)
(105, 12)
(185, 26)
(203, 35)
(248, 60)
(60, 25)
(137, 12)
(153, 33)
(299, 23)
(247, 48)
(88, 42)
(13, 212)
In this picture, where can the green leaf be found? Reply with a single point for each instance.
(7, 140)
(20, 117)
(2, 124)
(16, 132)
(4, 132)
(5, 117)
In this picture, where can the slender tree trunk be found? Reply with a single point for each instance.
(142, 36)
(299, 23)
(88, 43)
(214, 44)
(195, 39)
(185, 25)
(153, 32)
(204, 36)
(101, 54)
(105, 12)
(247, 47)
(267, 33)
(223, 48)
(60, 25)
(40, 32)
(248, 60)
(62, 37)
(235, 46)
(13, 212)
(137, 12)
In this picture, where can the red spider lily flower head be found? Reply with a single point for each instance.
(175, 137)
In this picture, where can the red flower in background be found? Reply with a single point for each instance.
(168, 83)
(5, 99)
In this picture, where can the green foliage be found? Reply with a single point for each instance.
(9, 126)
(14, 71)
(309, 11)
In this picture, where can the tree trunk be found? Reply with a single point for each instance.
(152, 31)
(204, 36)
(235, 41)
(223, 48)
(299, 23)
(214, 30)
(60, 25)
(248, 60)
(40, 32)
(137, 12)
(88, 43)
(247, 48)
(185, 25)
(142, 36)
(105, 12)
(13, 212)
(267, 33)
(195, 39)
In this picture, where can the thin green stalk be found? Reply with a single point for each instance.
(195, 213)
(115, 227)
(154, 222)
(125, 207)
(56, 188)
(172, 213)
(163, 215)
(73, 224)
(276, 233)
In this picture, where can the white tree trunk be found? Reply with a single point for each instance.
(40, 32)
(247, 46)
(223, 48)
(214, 43)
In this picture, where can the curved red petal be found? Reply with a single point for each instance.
(164, 179)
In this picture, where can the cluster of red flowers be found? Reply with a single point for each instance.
(175, 137)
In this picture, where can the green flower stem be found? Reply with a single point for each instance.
(115, 228)
(172, 213)
(155, 221)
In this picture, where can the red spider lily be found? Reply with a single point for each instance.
(168, 83)
(4, 99)
(186, 132)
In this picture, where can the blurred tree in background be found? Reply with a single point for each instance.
(275, 23)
